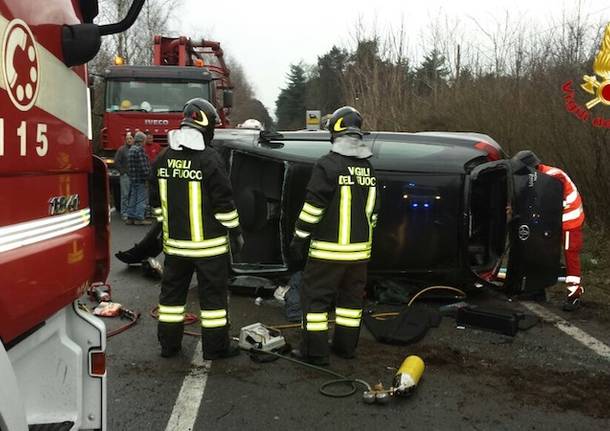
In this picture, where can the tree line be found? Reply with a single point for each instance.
(510, 83)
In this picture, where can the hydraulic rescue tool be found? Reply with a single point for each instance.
(260, 337)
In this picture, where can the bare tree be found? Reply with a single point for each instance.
(505, 81)
(134, 45)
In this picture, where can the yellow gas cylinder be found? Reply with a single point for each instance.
(408, 375)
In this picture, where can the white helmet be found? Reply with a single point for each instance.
(251, 123)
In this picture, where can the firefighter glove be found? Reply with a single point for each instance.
(298, 249)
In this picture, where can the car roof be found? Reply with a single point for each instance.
(392, 151)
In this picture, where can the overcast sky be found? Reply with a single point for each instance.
(267, 36)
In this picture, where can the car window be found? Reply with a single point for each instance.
(395, 149)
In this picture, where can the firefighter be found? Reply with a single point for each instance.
(572, 222)
(336, 225)
(194, 203)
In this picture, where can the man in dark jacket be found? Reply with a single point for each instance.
(120, 163)
(139, 172)
(194, 202)
(337, 221)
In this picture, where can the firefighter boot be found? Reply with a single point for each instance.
(150, 246)
(170, 337)
(572, 301)
(345, 341)
(135, 255)
(314, 348)
(217, 345)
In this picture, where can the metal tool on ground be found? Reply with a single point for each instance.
(260, 337)
(102, 294)
(107, 309)
(405, 380)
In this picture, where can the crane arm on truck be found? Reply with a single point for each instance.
(183, 51)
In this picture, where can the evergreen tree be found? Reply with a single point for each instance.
(431, 73)
(330, 70)
(290, 104)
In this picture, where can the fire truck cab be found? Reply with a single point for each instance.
(54, 222)
(150, 98)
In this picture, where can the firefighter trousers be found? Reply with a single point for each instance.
(572, 245)
(325, 282)
(212, 278)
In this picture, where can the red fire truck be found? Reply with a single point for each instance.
(54, 233)
(151, 98)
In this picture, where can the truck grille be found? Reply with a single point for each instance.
(160, 139)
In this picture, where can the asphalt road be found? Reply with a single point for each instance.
(542, 379)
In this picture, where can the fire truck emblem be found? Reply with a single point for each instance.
(20, 65)
(601, 68)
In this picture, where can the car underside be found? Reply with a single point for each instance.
(446, 203)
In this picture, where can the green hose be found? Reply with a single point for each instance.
(341, 379)
(352, 382)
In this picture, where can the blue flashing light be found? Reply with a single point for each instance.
(426, 205)
(415, 205)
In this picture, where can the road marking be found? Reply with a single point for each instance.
(187, 404)
(573, 331)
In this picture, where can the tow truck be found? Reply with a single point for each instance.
(151, 98)
(54, 231)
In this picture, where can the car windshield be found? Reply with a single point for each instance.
(152, 96)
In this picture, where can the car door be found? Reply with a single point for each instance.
(488, 188)
(535, 230)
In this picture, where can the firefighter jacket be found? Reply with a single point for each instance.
(573, 214)
(194, 201)
(340, 209)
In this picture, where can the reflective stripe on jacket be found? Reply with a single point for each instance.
(340, 209)
(573, 213)
(194, 203)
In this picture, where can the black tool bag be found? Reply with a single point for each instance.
(410, 326)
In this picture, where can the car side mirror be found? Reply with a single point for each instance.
(81, 42)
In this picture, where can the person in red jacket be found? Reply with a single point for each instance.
(151, 148)
(572, 222)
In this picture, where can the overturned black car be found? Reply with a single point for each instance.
(453, 207)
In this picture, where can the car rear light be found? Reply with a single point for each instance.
(97, 364)
(493, 153)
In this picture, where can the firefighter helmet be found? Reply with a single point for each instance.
(528, 158)
(344, 121)
(201, 115)
(125, 105)
(251, 123)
